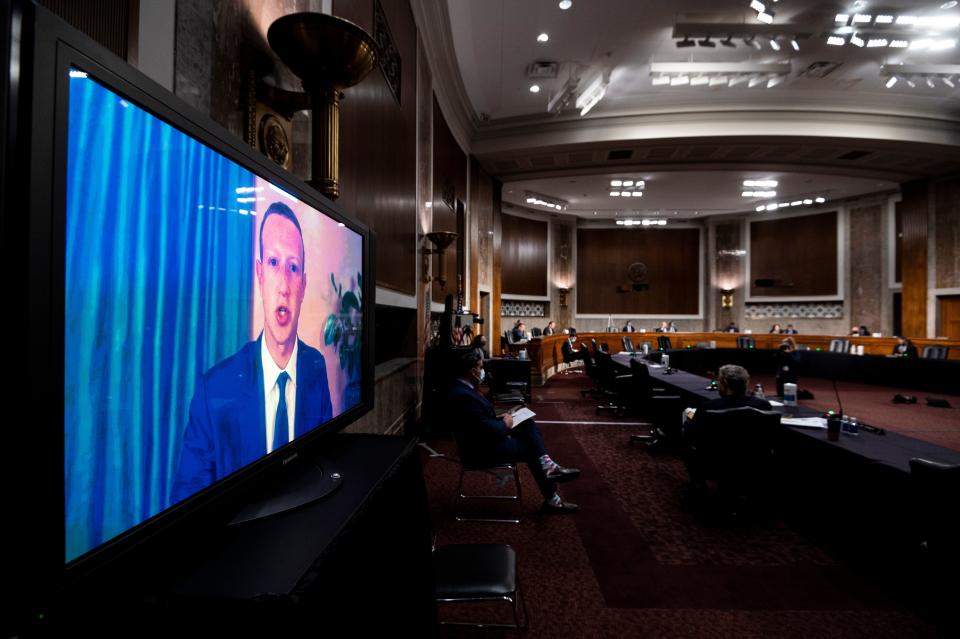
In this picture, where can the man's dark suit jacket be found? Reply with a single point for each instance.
(549, 331)
(475, 424)
(569, 352)
(691, 429)
(228, 417)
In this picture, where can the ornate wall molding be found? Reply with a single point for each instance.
(522, 309)
(798, 310)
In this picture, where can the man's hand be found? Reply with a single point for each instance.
(508, 420)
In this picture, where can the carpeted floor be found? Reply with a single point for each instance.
(633, 563)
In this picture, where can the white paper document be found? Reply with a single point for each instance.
(805, 422)
(521, 415)
(774, 402)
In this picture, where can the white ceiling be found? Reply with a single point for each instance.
(862, 137)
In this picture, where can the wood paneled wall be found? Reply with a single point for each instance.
(523, 251)
(946, 201)
(672, 258)
(913, 262)
(449, 185)
(798, 253)
(378, 153)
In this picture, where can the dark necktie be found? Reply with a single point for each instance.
(280, 425)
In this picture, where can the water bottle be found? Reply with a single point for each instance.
(789, 394)
(665, 360)
(758, 392)
(852, 425)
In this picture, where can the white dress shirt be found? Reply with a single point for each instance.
(271, 391)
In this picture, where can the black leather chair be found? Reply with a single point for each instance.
(470, 573)
(535, 332)
(745, 341)
(663, 343)
(590, 366)
(736, 447)
(655, 405)
(498, 473)
(839, 345)
(614, 387)
(627, 344)
(935, 487)
(936, 351)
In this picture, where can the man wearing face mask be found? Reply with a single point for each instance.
(486, 439)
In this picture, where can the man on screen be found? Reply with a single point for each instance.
(272, 390)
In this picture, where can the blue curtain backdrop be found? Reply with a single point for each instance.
(159, 275)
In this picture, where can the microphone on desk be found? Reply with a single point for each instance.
(837, 393)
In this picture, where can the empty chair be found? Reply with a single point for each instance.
(839, 346)
(745, 341)
(509, 393)
(613, 387)
(654, 404)
(627, 344)
(935, 351)
(663, 343)
(496, 472)
(536, 332)
(467, 573)
(934, 490)
(737, 448)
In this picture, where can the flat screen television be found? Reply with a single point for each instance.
(191, 317)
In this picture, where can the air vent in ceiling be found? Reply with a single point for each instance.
(819, 69)
(620, 154)
(854, 155)
(542, 69)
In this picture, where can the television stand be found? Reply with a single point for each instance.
(305, 481)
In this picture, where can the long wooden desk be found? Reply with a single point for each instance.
(545, 352)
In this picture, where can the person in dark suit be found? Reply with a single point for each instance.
(790, 330)
(480, 345)
(628, 327)
(550, 328)
(786, 365)
(486, 439)
(271, 391)
(731, 328)
(733, 382)
(571, 354)
(519, 333)
(904, 348)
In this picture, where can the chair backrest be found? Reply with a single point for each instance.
(641, 379)
(508, 335)
(663, 343)
(738, 441)
(934, 489)
(588, 362)
(936, 351)
(535, 332)
(627, 344)
(839, 346)
(745, 341)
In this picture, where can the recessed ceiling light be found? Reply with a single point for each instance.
(534, 88)
(543, 37)
(949, 5)
(565, 4)
(616, 182)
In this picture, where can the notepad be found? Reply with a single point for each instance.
(521, 415)
(804, 422)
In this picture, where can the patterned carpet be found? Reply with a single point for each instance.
(633, 563)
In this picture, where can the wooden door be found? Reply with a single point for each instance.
(949, 317)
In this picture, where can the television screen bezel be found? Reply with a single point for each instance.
(49, 48)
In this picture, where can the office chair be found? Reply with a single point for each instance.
(590, 366)
(510, 393)
(470, 573)
(935, 351)
(508, 335)
(613, 387)
(536, 332)
(745, 341)
(737, 448)
(839, 345)
(498, 471)
(934, 488)
(654, 404)
(663, 343)
(627, 344)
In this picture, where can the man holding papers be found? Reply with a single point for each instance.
(485, 438)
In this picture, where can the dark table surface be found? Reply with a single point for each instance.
(890, 449)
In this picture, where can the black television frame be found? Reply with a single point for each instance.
(36, 117)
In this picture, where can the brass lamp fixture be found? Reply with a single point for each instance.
(726, 298)
(440, 240)
(563, 296)
(328, 54)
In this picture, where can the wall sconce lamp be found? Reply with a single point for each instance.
(328, 54)
(440, 240)
(726, 298)
(563, 296)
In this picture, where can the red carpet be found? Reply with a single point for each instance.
(632, 563)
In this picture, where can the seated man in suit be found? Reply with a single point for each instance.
(628, 327)
(550, 328)
(904, 348)
(519, 333)
(790, 330)
(731, 328)
(733, 382)
(568, 350)
(274, 388)
(485, 438)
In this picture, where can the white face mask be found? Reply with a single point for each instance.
(483, 374)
